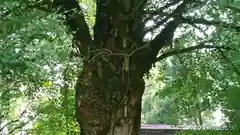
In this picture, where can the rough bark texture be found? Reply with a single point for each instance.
(111, 85)
(106, 105)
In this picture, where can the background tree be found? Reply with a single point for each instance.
(33, 58)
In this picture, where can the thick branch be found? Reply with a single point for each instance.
(197, 47)
(76, 21)
(189, 49)
(176, 14)
(159, 11)
(147, 56)
(208, 22)
(165, 36)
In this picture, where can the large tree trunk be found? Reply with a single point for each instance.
(109, 103)
(110, 87)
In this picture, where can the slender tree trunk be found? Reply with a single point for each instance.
(108, 104)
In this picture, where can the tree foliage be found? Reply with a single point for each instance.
(34, 55)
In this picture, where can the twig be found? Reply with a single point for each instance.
(138, 49)
(17, 120)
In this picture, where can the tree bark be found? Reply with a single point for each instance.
(109, 104)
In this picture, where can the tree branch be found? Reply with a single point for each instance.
(189, 49)
(159, 11)
(16, 120)
(164, 19)
(208, 22)
(76, 21)
(166, 35)
(176, 14)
